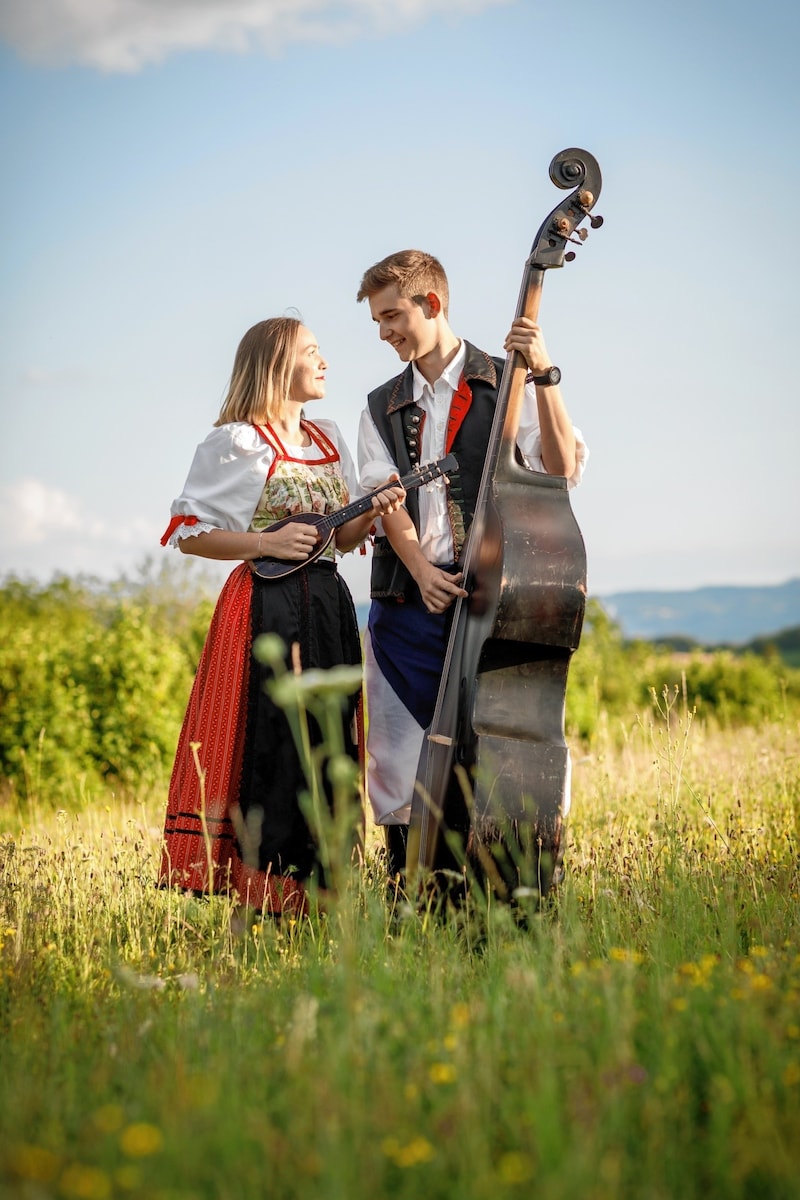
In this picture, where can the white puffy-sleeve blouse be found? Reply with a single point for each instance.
(228, 474)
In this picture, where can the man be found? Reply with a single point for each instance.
(444, 400)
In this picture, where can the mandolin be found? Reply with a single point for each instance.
(326, 524)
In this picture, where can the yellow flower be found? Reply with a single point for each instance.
(515, 1167)
(33, 1162)
(620, 954)
(419, 1150)
(680, 1004)
(441, 1072)
(459, 1015)
(140, 1140)
(85, 1183)
(791, 1075)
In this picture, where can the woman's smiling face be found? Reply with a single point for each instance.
(308, 377)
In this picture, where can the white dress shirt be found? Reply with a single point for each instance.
(376, 463)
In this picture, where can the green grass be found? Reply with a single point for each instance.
(640, 1039)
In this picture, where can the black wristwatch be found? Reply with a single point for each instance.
(550, 378)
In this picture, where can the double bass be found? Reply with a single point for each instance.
(493, 779)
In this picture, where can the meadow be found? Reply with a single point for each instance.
(638, 1036)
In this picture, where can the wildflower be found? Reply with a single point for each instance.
(791, 1075)
(189, 981)
(140, 982)
(459, 1015)
(515, 1167)
(441, 1072)
(140, 1140)
(680, 1004)
(33, 1162)
(621, 954)
(419, 1150)
(82, 1182)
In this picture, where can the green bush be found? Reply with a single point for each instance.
(729, 689)
(613, 678)
(93, 683)
(604, 675)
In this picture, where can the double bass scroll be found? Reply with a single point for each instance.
(493, 777)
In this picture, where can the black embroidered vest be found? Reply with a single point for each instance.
(399, 421)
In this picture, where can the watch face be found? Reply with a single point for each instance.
(555, 375)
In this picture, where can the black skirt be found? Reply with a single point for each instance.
(312, 608)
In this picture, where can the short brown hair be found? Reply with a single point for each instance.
(262, 372)
(415, 273)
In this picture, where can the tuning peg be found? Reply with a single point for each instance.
(586, 199)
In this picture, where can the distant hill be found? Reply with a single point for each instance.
(709, 615)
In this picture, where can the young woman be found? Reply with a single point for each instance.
(233, 820)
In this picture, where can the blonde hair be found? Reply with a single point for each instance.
(262, 372)
(415, 273)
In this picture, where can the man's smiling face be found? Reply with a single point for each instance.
(404, 324)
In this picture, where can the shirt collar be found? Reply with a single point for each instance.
(451, 374)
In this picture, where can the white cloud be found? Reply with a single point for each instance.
(126, 35)
(45, 530)
(31, 512)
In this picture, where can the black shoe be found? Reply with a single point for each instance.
(396, 847)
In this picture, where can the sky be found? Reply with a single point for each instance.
(176, 170)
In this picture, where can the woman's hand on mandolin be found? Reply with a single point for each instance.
(293, 541)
